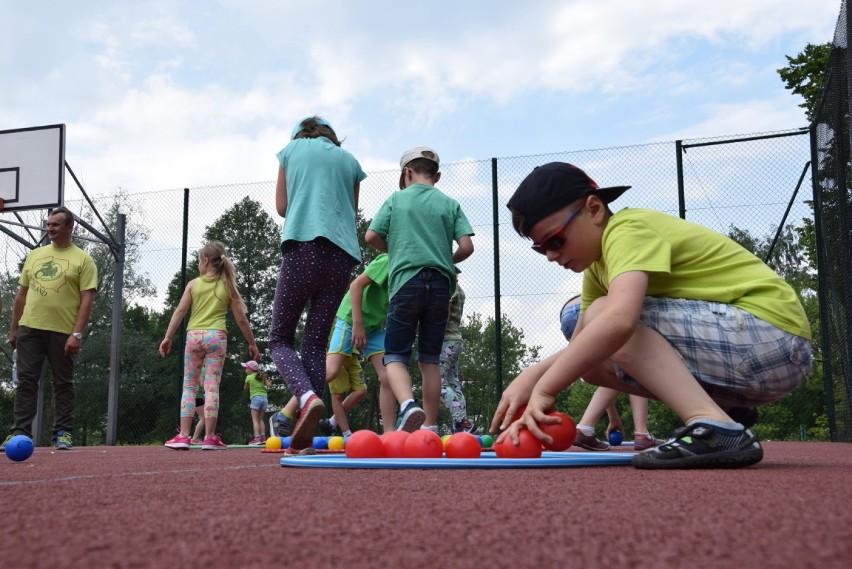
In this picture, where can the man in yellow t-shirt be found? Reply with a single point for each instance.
(52, 308)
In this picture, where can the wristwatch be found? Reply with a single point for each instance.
(77, 335)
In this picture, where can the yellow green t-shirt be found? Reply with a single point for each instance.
(55, 276)
(210, 301)
(256, 385)
(686, 260)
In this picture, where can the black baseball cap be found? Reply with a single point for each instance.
(551, 187)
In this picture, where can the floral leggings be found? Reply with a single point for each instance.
(451, 391)
(205, 351)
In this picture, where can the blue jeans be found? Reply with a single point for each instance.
(421, 305)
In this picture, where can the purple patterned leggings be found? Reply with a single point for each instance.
(313, 274)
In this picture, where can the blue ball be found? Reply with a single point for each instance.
(615, 438)
(285, 442)
(478, 438)
(320, 443)
(19, 448)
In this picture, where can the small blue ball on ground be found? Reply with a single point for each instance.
(320, 443)
(285, 442)
(615, 438)
(19, 448)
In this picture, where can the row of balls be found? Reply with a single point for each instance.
(424, 443)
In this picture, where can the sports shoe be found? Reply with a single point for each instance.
(195, 441)
(410, 419)
(256, 441)
(325, 428)
(5, 442)
(589, 442)
(465, 426)
(213, 443)
(62, 441)
(279, 425)
(180, 442)
(306, 426)
(644, 442)
(702, 446)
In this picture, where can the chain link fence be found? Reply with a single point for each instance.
(744, 186)
(831, 157)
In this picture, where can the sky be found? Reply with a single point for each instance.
(159, 95)
(168, 94)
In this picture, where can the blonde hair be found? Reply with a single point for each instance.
(215, 253)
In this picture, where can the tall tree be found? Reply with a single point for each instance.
(805, 75)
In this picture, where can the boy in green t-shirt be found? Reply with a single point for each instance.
(670, 310)
(417, 227)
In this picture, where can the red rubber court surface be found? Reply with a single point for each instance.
(156, 507)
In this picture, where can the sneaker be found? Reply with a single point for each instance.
(411, 418)
(589, 442)
(180, 442)
(306, 426)
(213, 443)
(465, 426)
(325, 428)
(644, 442)
(304, 452)
(5, 442)
(279, 425)
(702, 446)
(195, 441)
(257, 441)
(62, 441)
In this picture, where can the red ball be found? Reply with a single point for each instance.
(423, 443)
(365, 444)
(463, 445)
(519, 412)
(528, 446)
(394, 442)
(563, 434)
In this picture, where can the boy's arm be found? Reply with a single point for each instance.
(464, 249)
(599, 339)
(356, 297)
(376, 240)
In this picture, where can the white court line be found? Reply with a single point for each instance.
(122, 474)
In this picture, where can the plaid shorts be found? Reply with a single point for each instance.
(740, 360)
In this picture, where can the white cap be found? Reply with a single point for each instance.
(418, 152)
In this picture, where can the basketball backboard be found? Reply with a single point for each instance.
(32, 167)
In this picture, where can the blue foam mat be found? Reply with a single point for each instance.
(487, 460)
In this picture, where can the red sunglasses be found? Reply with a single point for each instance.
(555, 240)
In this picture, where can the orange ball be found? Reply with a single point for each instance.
(563, 434)
(528, 446)
(394, 442)
(365, 444)
(463, 445)
(423, 443)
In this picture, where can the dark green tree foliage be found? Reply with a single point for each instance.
(805, 75)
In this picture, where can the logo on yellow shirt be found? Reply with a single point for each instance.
(50, 275)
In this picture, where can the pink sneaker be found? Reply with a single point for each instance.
(213, 443)
(195, 441)
(590, 443)
(180, 442)
(644, 442)
(309, 417)
(257, 441)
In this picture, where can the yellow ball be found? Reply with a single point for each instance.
(273, 443)
(444, 440)
(335, 443)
